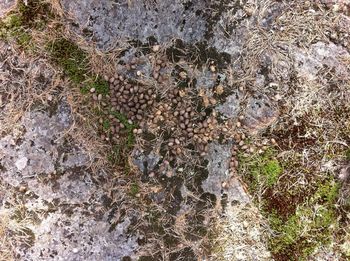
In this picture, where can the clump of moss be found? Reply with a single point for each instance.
(119, 152)
(347, 154)
(26, 17)
(74, 62)
(100, 85)
(309, 227)
(299, 229)
(129, 127)
(13, 27)
(262, 169)
(70, 57)
(134, 189)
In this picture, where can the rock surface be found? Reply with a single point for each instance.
(62, 200)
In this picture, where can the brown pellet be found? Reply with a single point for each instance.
(178, 150)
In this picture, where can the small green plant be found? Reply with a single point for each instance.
(347, 154)
(106, 124)
(309, 227)
(134, 189)
(263, 170)
(70, 57)
(271, 170)
(101, 86)
(20, 22)
(129, 128)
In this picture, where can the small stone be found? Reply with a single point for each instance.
(151, 174)
(219, 89)
(21, 163)
(138, 73)
(156, 48)
(278, 97)
(169, 174)
(224, 185)
(22, 189)
(336, 8)
(183, 75)
(92, 90)
(99, 97)
(212, 68)
(238, 124)
(273, 141)
(75, 250)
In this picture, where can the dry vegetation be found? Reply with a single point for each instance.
(291, 170)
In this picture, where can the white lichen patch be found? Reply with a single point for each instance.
(241, 236)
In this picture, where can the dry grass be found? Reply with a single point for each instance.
(6, 249)
(241, 236)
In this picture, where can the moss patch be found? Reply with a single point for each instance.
(311, 226)
(303, 217)
(74, 62)
(70, 57)
(19, 24)
(261, 169)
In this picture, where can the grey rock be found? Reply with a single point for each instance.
(259, 114)
(111, 21)
(145, 162)
(310, 62)
(219, 157)
(230, 108)
(72, 222)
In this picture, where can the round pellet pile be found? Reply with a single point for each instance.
(173, 116)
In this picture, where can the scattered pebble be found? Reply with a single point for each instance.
(155, 48)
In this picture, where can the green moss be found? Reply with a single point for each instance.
(310, 223)
(271, 170)
(19, 24)
(130, 137)
(70, 57)
(106, 124)
(310, 226)
(326, 192)
(14, 21)
(101, 86)
(119, 153)
(263, 170)
(134, 189)
(24, 39)
(347, 154)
